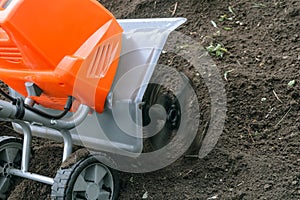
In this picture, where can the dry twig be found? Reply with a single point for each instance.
(175, 8)
(277, 96)
(283, 116)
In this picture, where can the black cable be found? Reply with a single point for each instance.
(20, 108)
(19, 102)
(67, 108)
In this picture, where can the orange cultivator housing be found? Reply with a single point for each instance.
(67, 48)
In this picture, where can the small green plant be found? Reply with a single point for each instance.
(292, 83)
(217, 50)
(228, 28)
(225, 17)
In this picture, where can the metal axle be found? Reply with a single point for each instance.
(31, 176)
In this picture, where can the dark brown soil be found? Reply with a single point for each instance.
(257, 156)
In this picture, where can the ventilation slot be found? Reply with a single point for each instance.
(102, 60)
(10, 54)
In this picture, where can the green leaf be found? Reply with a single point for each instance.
(223, 18)
(217, 50)
(210, 48)
(292, 83)
(219, 53)
(228, 29)
(231, 10)
(224, 50)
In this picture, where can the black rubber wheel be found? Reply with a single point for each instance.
(156, 94)
(87, 179)
(10, 157)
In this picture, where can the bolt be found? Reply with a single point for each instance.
(53, 122)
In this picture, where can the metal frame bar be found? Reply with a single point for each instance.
(26, 151)
(8, 111)
(68, 143)
(31, 176)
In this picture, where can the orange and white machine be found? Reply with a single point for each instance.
(52, 44)
(77, 75)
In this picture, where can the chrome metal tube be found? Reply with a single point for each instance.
(8, 111)
(26, 145)
(73, 121)
(31, 176)
(60, 124)
(68, 142)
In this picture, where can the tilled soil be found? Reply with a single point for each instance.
(257, 155)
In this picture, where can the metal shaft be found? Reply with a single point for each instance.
(26, 146)
(67, 144)
(32, 176)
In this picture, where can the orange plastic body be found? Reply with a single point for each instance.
(66, 47)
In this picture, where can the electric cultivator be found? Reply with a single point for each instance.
(71, 68)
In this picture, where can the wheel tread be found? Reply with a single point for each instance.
(63, 177)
